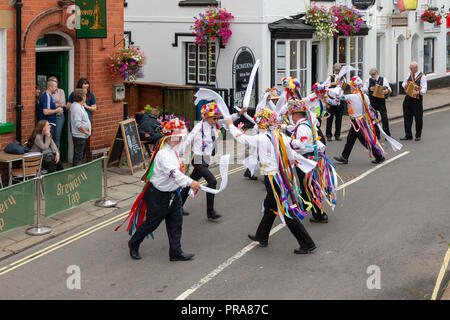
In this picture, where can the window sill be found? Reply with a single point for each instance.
(197, 3)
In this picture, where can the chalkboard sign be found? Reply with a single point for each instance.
(126, 138)
(243, 63)
(363, 4)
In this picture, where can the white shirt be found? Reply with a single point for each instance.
(265, 149)
(303, 141)
(313, 103)
(356, 107)
(423, 82)
(385, 84)
(208, 133)
(167, 176)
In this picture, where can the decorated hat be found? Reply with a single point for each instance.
(297, 106)
(291, 83)
(274, 93)
(210, 110)
(266, 119)
(356, 83)
(173, 128)
(319, 88)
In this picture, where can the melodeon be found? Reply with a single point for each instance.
(378, 91)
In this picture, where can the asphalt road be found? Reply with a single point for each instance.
(395, 220)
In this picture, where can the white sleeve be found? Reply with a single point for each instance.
(423, 85)
(386, 84)
(169, 168)
(187, 140)
(405, 82)
(366, 86)
(243, 138)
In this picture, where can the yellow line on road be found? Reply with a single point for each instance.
(441, 275)
(82, 234)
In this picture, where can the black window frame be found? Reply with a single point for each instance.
(196, 83)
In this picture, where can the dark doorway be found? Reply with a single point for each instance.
(314, 66)
(55, 64)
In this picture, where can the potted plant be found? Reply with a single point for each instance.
(348, 20)
(127, 63)
(431, 17)
(211, 25)
(320, 18)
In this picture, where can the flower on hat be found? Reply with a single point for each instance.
(356, 82)
(173, 127)
(297, 106)
(319, 88)
(210, 110)
(291, 83)
(266, 119)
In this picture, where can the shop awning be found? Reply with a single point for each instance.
(291, 29)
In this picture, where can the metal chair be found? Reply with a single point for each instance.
(31, 167)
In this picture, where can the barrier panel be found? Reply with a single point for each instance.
(70, 188)
(17, 205)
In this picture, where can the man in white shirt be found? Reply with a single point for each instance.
(264, 143)
(161, 194)
(204, 147)
(413, 106)
(336, 111)
(362, 128)
(379, 104)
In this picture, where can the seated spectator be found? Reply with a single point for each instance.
(41, 141)
(149, 126)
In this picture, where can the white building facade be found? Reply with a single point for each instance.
(274, 32)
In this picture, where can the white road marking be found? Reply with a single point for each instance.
(274, 230)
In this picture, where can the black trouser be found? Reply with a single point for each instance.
(158, 209)
(320, 133)
(413, 109)
(381, 107)
(351, 139)
(202, 171)
(294, 224)
(337, 113)
(52, 166)
(79, 148)
(315, 210)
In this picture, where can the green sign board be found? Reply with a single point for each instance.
(17, 206)
(71, 187)
(91, 19)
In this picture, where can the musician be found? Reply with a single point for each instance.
(413, 105)
(379, 104)
(336, 111)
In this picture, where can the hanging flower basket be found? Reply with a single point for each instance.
(348, 20)
(320, 18)
(211, 25)
(127, 63)
(432, 17)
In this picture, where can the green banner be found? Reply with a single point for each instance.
(71, 187)
(17, 205)
(91, 19)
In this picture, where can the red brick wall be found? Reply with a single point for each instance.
(90, 62)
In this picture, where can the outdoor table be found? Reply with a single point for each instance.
(9, 158)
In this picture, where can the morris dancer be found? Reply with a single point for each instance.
(204, 147)
(319, 184)
(160, 199)
(283, 192)
(362, 116)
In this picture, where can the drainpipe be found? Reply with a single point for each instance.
(19, 106)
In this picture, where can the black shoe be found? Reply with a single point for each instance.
(329, 138)
(406, 138)
(213, 215)
(134, 252)
(248, 174)
(417, 139)
(323, 218)
(380, 160)
(341, 159)
(185, 213)
(183, 257)
(338, 139)
(262, 243)
(305, 251)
